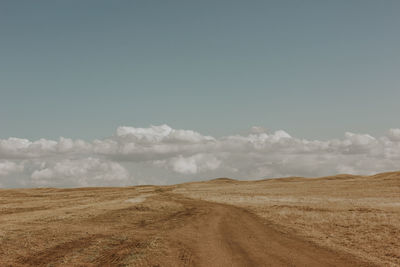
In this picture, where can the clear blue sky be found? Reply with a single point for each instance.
(312, 68)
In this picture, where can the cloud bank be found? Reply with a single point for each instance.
(161, 154)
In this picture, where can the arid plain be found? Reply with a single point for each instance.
(341, 220)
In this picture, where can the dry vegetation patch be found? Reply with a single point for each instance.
(90, 226)
(355, 214)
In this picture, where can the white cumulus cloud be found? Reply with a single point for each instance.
(160, 153)
(194, 164)
(81, 172)
(8, 167)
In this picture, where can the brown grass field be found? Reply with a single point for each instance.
(341, 220)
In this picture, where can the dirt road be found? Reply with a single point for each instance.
(144, 226)
(211, 234)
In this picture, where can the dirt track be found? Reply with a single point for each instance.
(223, 235)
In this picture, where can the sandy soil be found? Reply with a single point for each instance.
(334, 221)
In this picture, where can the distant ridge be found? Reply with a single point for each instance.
(343, 176)
(395, 174)
(223, 180)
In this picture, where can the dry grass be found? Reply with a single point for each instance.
(359, 215)
(129, 226)
(85, 226)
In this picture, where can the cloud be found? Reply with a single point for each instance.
(160, 134)
(80, 172)
(8, 167)
(193, 164)
(394, 135)
(160, 153)
(153, 143)
(18, 148)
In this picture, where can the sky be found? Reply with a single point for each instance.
(185, 78)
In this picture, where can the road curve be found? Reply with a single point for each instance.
(211, 234)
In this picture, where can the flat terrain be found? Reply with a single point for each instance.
(332, 221)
